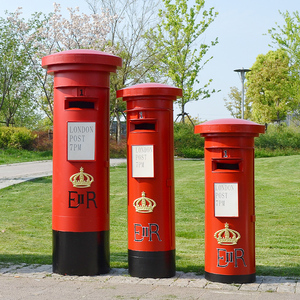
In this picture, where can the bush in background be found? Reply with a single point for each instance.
(186, 143)
(118, 150)
(279, 137)
(279, 140)
(43, 140)
(16, 137)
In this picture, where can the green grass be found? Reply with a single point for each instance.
(10, 156)
(25, 218)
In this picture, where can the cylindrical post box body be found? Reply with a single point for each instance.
(150, 167)
(80, 209)
(229, 199)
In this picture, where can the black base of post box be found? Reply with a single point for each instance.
(146, 264)
(81, 253)
(230, 278)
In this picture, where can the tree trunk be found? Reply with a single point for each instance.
(182, 113)
(118, 128)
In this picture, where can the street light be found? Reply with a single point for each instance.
(242, 72)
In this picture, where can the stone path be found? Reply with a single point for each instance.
(119, 285)
(11, 174)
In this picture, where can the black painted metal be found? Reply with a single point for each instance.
(145, 264)
(230, 278)
(81, 253)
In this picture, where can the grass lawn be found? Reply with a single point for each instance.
(10, 156)
(25, 218)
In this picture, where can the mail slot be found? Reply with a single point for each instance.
(80, 209)
(150, 167)
(229, 199)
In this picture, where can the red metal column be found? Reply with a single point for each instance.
(81, 160)
(229, 199)
(150, 165)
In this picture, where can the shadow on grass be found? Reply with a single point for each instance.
(288, 272)
(117, 259)
(278, 271)
(25, 259)
(47, 179)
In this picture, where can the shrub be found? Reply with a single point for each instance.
(14, 137)
(191, 153)
(279, 138)
(43, 141)
(118, 150)
(186, 143)
(267, 152)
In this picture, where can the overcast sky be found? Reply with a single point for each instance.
(240, 27)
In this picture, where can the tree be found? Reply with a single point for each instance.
(15, 84)
(43, 35)
(175, 43)
(269, 87)
(234, 104)
(287, 37)
(133, 18)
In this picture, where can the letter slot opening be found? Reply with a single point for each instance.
(144, 126)
(81, 104)
(220, 165)
(224, 166)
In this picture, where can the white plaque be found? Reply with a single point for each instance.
(81, 140)
(226, 200)
(142, 161)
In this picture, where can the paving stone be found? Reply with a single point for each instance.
(213, 285)
(287, 287)
(124, 279)
(44, 268)
(268, 287)
(166, 281)
(250, 286)
(298, 287)
(198, 283)
(222, 286)
(12, 269)
(149, 281)
(182, 282)
(279, 285)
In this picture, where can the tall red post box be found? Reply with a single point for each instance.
(229, 199)
(150, 167)
(80, 210)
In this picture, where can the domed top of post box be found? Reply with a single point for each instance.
(229, 126)
(66, 60)
(150, 89)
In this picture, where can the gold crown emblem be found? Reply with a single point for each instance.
(144, 204)
(81, 179)
(227, 236)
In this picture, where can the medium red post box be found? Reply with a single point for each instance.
(229, 199)
(80, 210)
(150, 167)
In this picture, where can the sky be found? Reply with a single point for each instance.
(241, 28)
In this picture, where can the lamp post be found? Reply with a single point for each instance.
(242, 72)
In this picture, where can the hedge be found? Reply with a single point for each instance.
(16, 137)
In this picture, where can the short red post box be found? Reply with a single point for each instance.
(229, 199)
(80, 216)
(150, 167)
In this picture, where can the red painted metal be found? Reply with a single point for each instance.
(150, 157)
(81, 139)
(229, 184)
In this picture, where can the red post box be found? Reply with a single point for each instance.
(80, 210)
(229, 199)
(150, 167)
